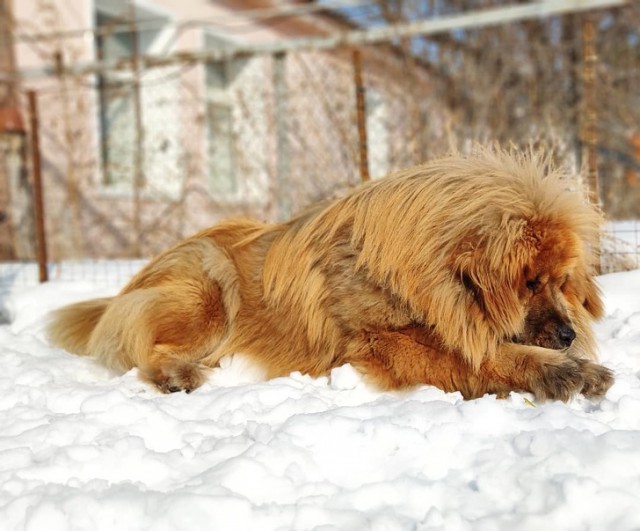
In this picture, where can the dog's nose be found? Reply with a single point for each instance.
(566, 335)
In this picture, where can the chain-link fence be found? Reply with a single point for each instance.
(134, 159)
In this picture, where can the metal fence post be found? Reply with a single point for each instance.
(590, 132)
(361, 116)
(282, 144)
(41, 242)
(590, 116)
(139, 142)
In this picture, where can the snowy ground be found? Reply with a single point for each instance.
(84, 449)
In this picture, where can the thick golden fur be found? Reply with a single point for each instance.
(472, 273)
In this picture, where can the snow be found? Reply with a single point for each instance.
(83, 448)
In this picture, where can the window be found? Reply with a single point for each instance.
(138, 124)
(220, 140)
(116, 104)
(221, 126)
(377, 133)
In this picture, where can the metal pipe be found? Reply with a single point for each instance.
(361, 116)
(471, 19)
(41, 242)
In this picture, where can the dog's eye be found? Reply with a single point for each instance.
(533, 284)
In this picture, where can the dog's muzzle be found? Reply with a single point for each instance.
(566, 335)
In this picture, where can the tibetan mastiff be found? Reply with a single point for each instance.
(472, 273)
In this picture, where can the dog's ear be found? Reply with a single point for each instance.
(592, 301)
(490, 272)
(473, 289)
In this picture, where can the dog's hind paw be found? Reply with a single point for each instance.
(174, 375)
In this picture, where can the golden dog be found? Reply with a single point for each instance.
(470, 273)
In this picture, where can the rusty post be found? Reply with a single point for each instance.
(590, 131)
(361, 116)
(139, 143)
(590, 116)
(283, 194)
(41, 242)
(73, 189)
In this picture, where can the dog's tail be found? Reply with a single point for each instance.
(71, 326)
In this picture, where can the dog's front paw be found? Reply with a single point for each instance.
(597, 379)
(559, 380)
(562, 379)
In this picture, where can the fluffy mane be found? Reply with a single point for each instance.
(429, 261)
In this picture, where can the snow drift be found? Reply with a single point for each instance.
(81, 448)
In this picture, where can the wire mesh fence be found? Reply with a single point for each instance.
(136, 158)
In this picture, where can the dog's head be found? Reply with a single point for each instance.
(541, 291)
(485, 248)
(558, 294)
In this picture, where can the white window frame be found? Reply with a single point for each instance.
(152, 41)
(378, 138)
(219, 100)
